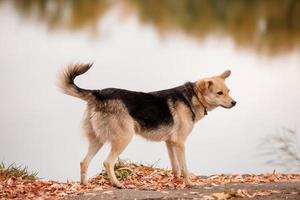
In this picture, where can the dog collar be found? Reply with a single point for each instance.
(191, 85)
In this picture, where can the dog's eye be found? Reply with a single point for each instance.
(220, 93)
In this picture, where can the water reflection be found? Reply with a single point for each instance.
(40, 126)
(269, 27)
(70, 14)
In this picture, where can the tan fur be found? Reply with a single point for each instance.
(208, 88)
(66, 80)
(111, 122)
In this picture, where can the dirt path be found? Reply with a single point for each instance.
(285, 190)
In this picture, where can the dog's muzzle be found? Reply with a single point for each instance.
(233, 103)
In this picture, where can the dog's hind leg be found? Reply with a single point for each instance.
(93, 147)
(173, 159)
(117, 146)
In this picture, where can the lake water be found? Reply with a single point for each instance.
(137, 49)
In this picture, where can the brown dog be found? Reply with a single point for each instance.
(114, 115)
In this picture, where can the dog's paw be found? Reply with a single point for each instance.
(83, 181)
(177, 174)
(188, 182)
(119, 185)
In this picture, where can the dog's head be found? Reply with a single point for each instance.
(215, 92)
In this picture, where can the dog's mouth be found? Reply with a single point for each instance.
(227, 107)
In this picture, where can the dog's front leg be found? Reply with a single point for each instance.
(173, 159)
(180, 152)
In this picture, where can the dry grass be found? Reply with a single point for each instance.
(16, 171)
(282, 149)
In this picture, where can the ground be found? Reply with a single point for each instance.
(148, 182)
(284, 190)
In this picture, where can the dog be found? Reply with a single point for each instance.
(114, 115)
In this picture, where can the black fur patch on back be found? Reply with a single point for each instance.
(150, 110)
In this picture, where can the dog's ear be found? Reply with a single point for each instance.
(225, 74)
(203, 85)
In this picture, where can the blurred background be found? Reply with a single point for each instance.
(144, 46)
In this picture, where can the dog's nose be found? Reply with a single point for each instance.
(233, 103)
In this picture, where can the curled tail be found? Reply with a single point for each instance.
(66, 80)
